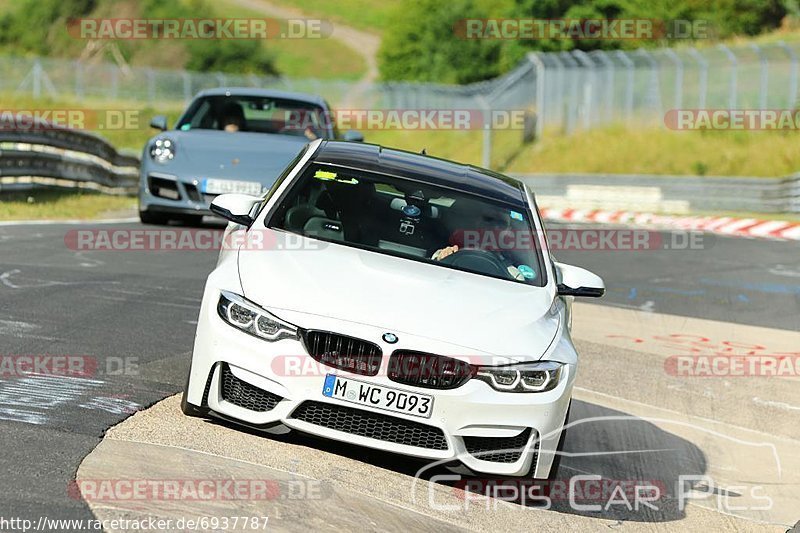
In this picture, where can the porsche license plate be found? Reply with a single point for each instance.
(217, 186)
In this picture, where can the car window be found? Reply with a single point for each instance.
(278, 181)
(256, 114)
(421, 222)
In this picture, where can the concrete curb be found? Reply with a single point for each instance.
(734, 227)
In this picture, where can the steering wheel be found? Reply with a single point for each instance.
(476, 260)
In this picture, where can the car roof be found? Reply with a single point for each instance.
(423, 168)
(266, 93)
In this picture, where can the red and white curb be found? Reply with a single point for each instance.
(740, 227)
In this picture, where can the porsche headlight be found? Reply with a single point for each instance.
(243, 314)
(162, 150)
(541, 376)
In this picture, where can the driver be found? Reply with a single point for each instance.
(232, 117)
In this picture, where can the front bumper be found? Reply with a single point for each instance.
(278, 385)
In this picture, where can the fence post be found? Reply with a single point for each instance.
(558, 92)
(187, 86)
(678, 100)
(114, 81)
(540, 74)
(151, 86)
(629, 87)
(654, 91)
(702, 62)
(486, 152)
(78, 80)
(792, 75)
(609, 68)
(733, 83)
(572, 105)
(36, 81)
(763, 88)
(589, 87)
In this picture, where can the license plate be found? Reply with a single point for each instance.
(386, 398)
(214, 186)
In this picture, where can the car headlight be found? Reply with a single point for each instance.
(162, 150)
(541, 376)
(243, 314)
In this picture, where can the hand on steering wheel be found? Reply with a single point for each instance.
(444, 252)
(476, 260)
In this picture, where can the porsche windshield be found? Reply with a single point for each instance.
(413, 220)
(255, 114)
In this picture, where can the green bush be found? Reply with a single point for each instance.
(50, 19)
(421, 44)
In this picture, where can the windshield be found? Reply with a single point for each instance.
(255, 114)
(405, 218)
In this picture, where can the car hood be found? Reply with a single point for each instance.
(238, 156)
(497, 317)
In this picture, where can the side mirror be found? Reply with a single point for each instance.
(354, 135)
(159, 122)
(235, 207)
(576, 281)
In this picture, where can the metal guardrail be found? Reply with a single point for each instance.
(675, 194)
(48, 155)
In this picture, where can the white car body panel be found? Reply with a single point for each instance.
(333, 287)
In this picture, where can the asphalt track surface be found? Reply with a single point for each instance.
(139, 308)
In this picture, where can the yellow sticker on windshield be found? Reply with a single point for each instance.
(325, 175)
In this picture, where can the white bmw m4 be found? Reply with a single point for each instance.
(396, 301)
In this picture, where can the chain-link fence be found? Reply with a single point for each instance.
(580, 90)
(554, 93)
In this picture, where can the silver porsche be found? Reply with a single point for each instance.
(228, 140)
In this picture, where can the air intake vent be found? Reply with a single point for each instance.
(163, 188)
(245, 395)
(372, 425)
(498, 449)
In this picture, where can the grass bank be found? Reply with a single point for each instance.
(63, 204)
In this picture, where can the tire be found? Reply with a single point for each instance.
(149, 217)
